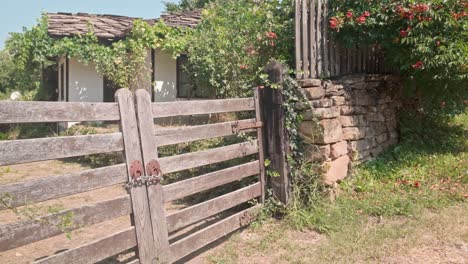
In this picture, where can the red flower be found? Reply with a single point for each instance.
(418, 65)
(361, 20)
(366, 14)
(272, 43)
(403, 33)
(243, 67)
(421, 8)
(409, 15)
(349, 14)
(271, 35)
(416, 184)
(334, 23)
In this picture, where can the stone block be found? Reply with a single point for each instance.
(334, 90)
(322, 103)
(354, 133)
(314, 93)
(324, 132)
(363, 98)
(339, 149)
(338, 100)
(382, 138)
(336, 170)
(352, 110)
(310, 83)
(317, 153)
(375, 117)
(355, 120)
(322, 113)
(362, 145)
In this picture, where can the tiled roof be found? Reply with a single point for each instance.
(110, 26)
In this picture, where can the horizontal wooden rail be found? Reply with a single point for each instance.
(212, 233)
(95, 251)
(43, 112)
(53, 187)
(207, 157)
(30, 150)
(176, 135)
(22, 233)
(193, 214)
(202, 107)
(208, 181)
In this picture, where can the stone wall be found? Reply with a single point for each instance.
(354, 120)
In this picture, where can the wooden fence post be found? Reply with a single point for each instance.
(155, 190)
(276, 139)
(139, 195)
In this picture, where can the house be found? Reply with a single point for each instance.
(79, 82)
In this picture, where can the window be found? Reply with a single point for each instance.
(109, 90)
(185, 88)
(62, 82)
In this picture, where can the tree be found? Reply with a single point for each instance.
(185, 5)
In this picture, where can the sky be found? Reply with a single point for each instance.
(16, 14)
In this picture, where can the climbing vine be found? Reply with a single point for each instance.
(122, 62)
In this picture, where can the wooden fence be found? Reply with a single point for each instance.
(319, 56)
(139, 139)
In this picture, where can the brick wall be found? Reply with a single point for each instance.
(354, 120)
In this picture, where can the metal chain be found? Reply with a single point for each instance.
(144, 180)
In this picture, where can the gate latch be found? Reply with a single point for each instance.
(238, 127)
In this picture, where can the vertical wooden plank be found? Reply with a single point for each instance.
(276, 137)
(141, 214)
(155, 190)
(319, 39)
(297, 36)
(305, 41)
(261, 149)
(326, 41)
(313, 39)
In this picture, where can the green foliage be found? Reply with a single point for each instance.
(426, 39)
(235, 40)
(122, 62)
(185, 5)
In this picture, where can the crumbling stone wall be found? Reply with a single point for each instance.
(354, 120)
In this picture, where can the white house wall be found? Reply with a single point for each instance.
(84, 83)
(165, 77)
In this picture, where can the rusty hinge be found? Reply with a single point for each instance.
(237, 126)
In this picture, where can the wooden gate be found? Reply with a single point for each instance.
(155, 234)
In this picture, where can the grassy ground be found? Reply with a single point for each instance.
(408, 206)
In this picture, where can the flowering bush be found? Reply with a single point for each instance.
(423, 38)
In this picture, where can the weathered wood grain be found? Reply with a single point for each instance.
(210, 234)
(155, 191)
(313, 39)
(326, 42)
(206, 157)
(53, 187)
(297, 38)
(305, 40)
(139, 194)
(208, 181)
(25, 232)
(176, 135)
(95, 251)
(42, 112)
(201, 107)
(29, 150)
(193, 214)
(260, 136)
(319, 39)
